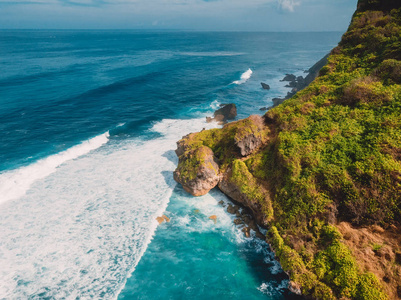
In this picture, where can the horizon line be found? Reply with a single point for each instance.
(160, 29)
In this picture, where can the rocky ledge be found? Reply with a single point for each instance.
(203, 165)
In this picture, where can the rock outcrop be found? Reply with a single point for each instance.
(162, 219)
(289, 77)
(299, 83)
(225, 113)
(250, 140)
(265, 86)
(198, 171)
(235, 190)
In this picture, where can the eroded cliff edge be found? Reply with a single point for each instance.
(323, 170)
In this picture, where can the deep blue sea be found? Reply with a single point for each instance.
(89, 122)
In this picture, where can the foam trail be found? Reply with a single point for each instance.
(244, 77)
(79, 232)
(15, 183)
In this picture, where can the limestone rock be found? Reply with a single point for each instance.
(182, 145)
(248, 144)
(246, 231)
(234, 192)
(214, 218)
(162, 219)
(197, 171)
(250, 140)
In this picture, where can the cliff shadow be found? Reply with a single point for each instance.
(169, 179)
(171, 156)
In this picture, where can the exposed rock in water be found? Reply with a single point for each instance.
(265, 86)
(246, 231)
(238, 221)
(198, 171)
(299, 83)
(214, 218)
(277, 101)
(229, 112)
(162, 219)
(232, 209)
(291, 84)
(222, 115)
(289, 77)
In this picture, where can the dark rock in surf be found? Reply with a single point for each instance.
(289, 77)
(222, 115)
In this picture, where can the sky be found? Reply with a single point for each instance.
(205, 15)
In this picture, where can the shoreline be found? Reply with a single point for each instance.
(251, 218)
(300, 170)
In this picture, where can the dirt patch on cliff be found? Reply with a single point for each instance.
(378, 251)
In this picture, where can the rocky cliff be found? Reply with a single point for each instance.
(322, 171)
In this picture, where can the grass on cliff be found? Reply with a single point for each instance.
(337, 155)
(339, 140)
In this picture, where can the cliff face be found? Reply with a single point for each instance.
(323, 169)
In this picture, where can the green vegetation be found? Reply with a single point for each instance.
(223, 141)
(195, 159)
(330, 153)
(249, 186)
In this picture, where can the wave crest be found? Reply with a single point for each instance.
(244, 77)
(15, 183)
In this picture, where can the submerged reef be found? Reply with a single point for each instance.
(322, 170)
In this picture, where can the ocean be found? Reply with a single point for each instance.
(89, 122)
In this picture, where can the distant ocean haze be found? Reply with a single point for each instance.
(89, 122)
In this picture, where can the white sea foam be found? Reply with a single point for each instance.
(265, 289)
(273, 289)
(82, 227)
(244, 77)
(15, 183)
(215, 105)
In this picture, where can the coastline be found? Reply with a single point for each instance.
(248, 216)
(261, 163)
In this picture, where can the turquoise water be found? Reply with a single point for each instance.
(193, 257)
(89, 123)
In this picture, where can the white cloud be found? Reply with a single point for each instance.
(288, 5)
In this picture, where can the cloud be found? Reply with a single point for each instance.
(288, 5)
